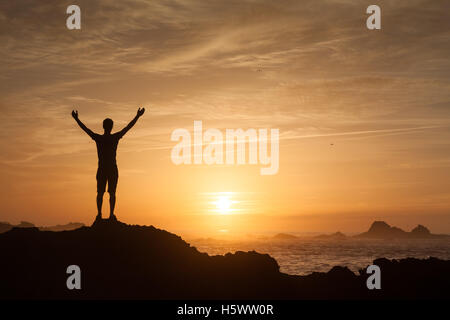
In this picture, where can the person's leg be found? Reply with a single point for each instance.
(112, 185)
(99, 204)
(112, 203)
(101, 186)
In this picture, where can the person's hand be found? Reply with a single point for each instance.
(75, 114)
(140, 112)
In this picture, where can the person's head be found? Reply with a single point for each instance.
(108, 125)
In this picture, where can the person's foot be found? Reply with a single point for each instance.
(98, 220)
(112, 217)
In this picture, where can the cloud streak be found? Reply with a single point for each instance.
(309, 68)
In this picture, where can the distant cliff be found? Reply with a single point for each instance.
(63, 227)
(284, 236)
(120, 261)
(382, 230)
(334, 236)
(5, 226)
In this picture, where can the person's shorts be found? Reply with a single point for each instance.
(107, 175)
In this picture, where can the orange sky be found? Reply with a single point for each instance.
(309, 68)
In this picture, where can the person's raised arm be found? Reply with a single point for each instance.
(81, 124)
(139, 113)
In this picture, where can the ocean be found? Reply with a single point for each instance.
(304, 256)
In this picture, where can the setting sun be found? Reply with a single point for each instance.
(223, 204)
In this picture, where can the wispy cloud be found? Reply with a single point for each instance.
(309, 68)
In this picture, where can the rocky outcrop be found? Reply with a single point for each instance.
(382, 230)
(120, 261)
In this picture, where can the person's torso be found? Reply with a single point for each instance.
(106, 150)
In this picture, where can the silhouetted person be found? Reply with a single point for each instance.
(107, 167)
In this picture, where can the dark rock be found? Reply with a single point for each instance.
(120, 261)
(421, 231)
(381, 230)
(5, 226)
(25, 224)
(334, 236)
(284, 236)
(63, 227)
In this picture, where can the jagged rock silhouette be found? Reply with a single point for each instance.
(420, 230)
(120, 261)
(5, 226)
(382, 230)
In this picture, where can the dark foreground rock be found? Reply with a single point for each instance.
(120, 261)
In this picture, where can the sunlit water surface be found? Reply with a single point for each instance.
(303, 256)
